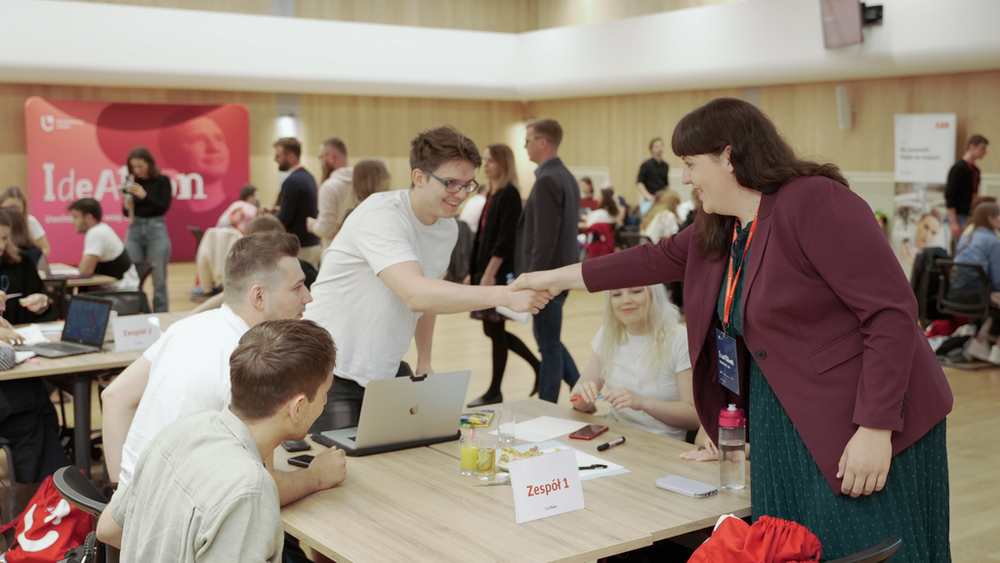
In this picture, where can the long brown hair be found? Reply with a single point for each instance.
(369, 176)
(608, 202)
(144, 154)
(11, 253)
(982, 213)
(761, 158)
(504, 157)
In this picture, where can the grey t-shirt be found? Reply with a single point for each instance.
(200, 492)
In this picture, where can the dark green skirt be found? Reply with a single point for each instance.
(787, 483)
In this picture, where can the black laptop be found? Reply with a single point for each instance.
(86, 323)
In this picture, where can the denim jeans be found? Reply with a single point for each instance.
(557, 365)
(147, 240)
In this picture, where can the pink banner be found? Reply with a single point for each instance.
(78, 149)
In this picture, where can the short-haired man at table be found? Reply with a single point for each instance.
(103, 252)
(187, 369)
(201, 491)
(380, 286)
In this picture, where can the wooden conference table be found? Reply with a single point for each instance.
(80, 370)
(414, 505)
(76, 282)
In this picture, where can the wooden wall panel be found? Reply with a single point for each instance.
(564, 13)
(259, 7)
(508, 16)
(614, 131)
(382, 127)
(609, 131)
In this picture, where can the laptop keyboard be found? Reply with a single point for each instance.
(67, 347)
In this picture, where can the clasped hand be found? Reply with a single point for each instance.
(527, 300)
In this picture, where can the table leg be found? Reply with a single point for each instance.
(81, 419)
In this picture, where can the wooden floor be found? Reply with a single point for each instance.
(459, 343)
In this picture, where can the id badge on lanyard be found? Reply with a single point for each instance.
(729, 370)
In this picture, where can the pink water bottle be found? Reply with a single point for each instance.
(732, 448)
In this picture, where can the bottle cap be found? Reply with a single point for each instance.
(732, 417)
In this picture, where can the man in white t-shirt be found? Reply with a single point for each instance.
(103, 252)
(187, 369)
(380, 282)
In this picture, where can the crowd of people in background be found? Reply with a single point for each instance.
(362, 266)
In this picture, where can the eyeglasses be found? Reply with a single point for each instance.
(529, 139)
(454, 186)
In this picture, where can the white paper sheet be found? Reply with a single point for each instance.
(31, 335)
(65, 271)
(544, 428)
(55, 327)
(21, 356)
(583, 459)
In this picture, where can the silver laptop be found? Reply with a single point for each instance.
(83, 332)
(405, 412)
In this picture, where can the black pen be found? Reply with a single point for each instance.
(611, 444)
(595, 466)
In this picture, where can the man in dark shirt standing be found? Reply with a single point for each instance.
(653, 172)
(298, 198)
(963, 184)
(546, 239)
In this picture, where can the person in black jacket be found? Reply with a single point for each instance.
(27, 418)
(492, 262)
(963, 184)
(147, 239)
(298, 199)
(546, 239)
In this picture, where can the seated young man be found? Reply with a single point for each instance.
(201, 491)
(380, 283)
(103, 252)
(187, 369)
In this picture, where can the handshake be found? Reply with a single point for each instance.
(530, 292)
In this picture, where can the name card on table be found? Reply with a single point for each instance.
(136, 332)
(545, 485)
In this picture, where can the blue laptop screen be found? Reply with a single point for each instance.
(86, 321)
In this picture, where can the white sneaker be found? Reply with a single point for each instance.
(980, 350)
(994, 357)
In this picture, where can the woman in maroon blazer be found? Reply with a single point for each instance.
(846, 401)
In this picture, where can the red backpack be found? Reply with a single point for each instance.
(47, 529)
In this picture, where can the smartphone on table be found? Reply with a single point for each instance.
(685, 486)
(296, 445)
(301, 460)
(589, 432)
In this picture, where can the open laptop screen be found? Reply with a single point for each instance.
(86, 320)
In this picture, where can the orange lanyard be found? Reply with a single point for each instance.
(734, 275)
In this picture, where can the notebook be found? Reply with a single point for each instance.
(86, 323)
(405, 412)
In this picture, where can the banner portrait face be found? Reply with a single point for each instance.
(79, 149)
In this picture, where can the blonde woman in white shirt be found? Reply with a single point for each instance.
(641, 362)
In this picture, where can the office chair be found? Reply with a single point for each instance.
(143, 269)
(976, 307)
(924, 281)
(125, 302)
(81, 493)
(198, 233)
(878, 554)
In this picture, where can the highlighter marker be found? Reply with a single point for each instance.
(611, 444)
